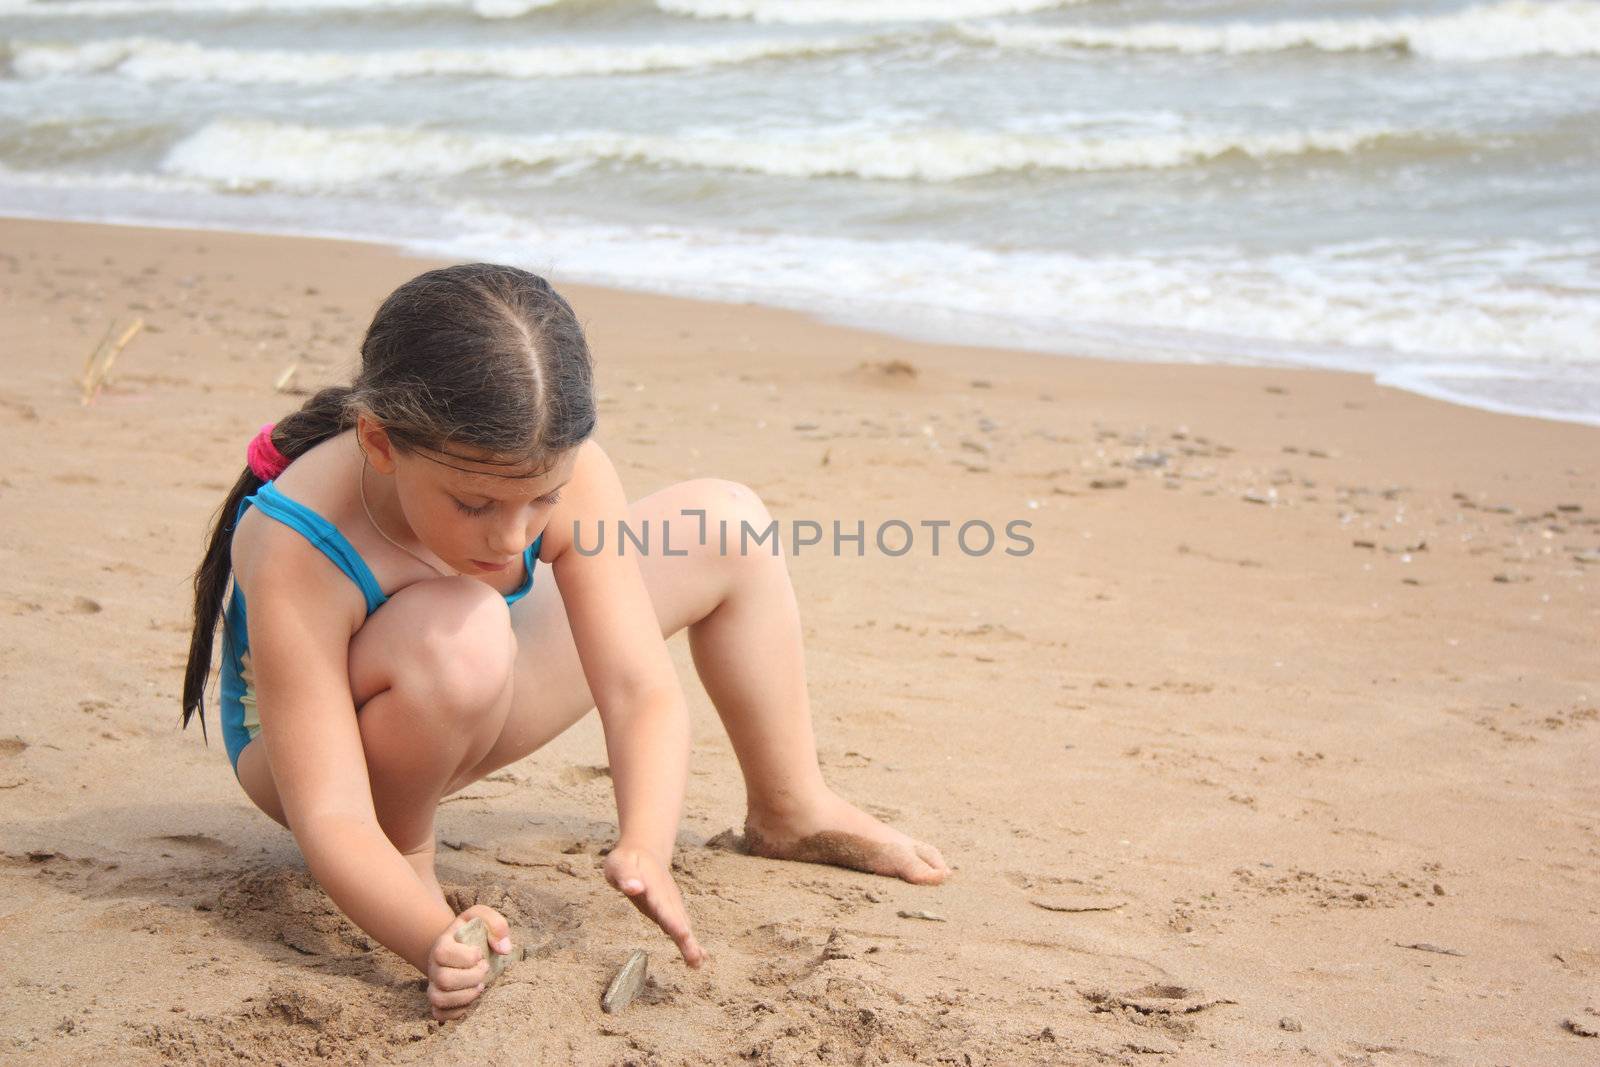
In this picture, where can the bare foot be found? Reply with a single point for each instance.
(835, 831)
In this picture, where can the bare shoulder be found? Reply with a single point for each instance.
(593, 495)
(274, 565)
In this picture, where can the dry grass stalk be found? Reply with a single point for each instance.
(285, 382)
(98, 367)
(94, 353)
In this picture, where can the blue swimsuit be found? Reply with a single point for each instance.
(240, 723)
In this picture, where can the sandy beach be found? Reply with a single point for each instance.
(1278, 747)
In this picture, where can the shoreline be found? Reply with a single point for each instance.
(1252, 760)
(1402, 377)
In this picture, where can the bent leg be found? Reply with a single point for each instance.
(746, 640)
(430, 675)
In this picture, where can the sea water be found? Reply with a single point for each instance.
(1406, 189)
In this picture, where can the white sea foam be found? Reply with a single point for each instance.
(249, 154)
(790, 12)
(155, 60)
(1505, 310)
(797, 12)
(1507, 30)
(488, 9)
(1472, 322)
(103, 181)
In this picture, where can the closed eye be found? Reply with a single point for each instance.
(481, 509)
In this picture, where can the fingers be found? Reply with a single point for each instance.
(650, 888)
(692, 953)
(448, 952)
(452, 979)
(499, 929)
(451, 1003)
(663, 904)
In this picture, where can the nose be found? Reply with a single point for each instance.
(510, 536)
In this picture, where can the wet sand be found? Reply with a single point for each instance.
(1278, 747)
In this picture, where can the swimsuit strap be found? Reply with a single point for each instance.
(323, 535)
(530, 557)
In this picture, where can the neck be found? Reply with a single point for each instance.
(386, 516)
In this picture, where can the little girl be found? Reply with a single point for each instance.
(386, 643)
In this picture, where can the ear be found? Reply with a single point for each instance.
(375, 442)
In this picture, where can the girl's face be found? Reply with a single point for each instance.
(467, 512)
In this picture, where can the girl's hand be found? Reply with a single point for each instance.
(457, 973)
(646, 880)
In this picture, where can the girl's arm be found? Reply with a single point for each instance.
(300, 630)
(635, 689)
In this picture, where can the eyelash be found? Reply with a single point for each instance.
(552, 498)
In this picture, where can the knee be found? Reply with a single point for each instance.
(462, 649)
(732, 506)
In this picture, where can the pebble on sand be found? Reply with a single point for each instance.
(627, 983)
(1076, 904)
(925, 916)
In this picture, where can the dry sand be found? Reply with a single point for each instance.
(1310, 678)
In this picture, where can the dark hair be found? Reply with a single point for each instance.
(485, 356)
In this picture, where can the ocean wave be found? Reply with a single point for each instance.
(1508, 325)
(246, 154)
(154, 60)
(101, 181)
(1499, 305)
(797, 12)
(487, 9)
(1508, 30)
(788, 12)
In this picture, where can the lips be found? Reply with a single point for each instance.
(481, 565)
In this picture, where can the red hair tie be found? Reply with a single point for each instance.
(266, 462)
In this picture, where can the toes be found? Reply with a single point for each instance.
(918, 871)
(932, 857)
(925, 866)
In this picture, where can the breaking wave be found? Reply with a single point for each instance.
(154, 60)
(250, 154)
(1509, 30)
